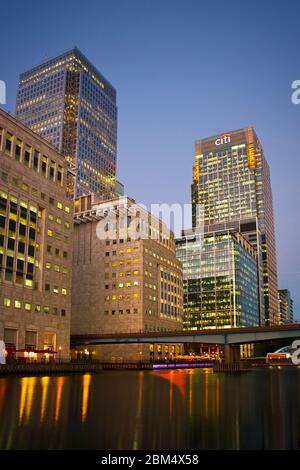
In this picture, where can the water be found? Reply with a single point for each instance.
(178, 409)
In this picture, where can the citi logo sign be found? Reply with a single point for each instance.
(223, 139)
(2, 92)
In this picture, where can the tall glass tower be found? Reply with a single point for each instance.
(231, 179)
(68, 102)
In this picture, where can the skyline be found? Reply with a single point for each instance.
(169, 106)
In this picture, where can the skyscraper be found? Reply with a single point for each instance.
(231, 179)
(68, 102)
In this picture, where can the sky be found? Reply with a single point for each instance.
(183, 70)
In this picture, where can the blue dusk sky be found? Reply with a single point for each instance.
(183, 70)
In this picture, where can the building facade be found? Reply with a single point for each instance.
(68, 102)
(36, 232)
(286, 305)
(220, 281)
(231, 180)
(126, 276)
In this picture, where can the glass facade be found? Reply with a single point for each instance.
(286, 305)
(231, 180)
(220, 281)
(69, 103)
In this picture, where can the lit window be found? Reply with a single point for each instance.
(64, 291)
(50, 232)
(121, 284)
(56, 268)
(37, 308)
(55, 290)
(27, 306)
(6, 302)
(18, 304)
(67, 209)
(48, 265)
(59, 205)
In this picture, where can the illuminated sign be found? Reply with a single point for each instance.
(223, 139)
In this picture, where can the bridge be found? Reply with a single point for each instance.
(230, 338)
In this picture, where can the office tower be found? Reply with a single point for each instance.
(68, 102)
(286, 306)
(231, 179)
(220, 280)
(123, 282)
(36, 229)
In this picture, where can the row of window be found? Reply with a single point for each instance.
(56, 267)
(18, 304)
(122, 252)
(135, 272)
(31, 157)
(121, 297)
(56, 289)
(121, 311)
(56, 251)
(123, 284)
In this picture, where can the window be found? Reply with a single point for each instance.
(6, 302)
(18, 150)
(59, 173)
(37, 308)
(50, 232)
(47, 287)
(52, 170)
(63, 312)
(44, 165)
(59, 205)
(64, 291)
(8, 144)
(67, 209)
(36, 160)
(55, 290)
(27, 153)
(46, 309)
(27, 306)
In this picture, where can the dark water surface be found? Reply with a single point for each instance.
(179, 409)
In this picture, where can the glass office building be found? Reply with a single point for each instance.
(231, 180)
(68, 102)
(286, 305)
(220, 280)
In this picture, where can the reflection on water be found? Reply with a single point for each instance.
(176, 409)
